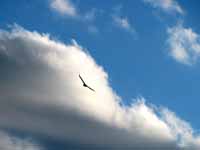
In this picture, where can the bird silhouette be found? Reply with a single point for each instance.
(85, 85)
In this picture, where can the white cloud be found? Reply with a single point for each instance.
(67, 8)
(184, 44)
(8, 142)
(40, 92)
(123, 23)
(166, 5)
(120, 20)
(64, 7)
(181, 129)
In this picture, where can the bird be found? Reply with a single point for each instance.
(84, 84)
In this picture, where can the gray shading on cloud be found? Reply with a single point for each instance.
(10, 142)
(40, 92)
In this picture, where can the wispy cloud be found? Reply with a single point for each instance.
(93, 29)
(184, 44)
(120, 20)
(67, 8)
(166, 5)
(64, 7)
(123, 23)
(45, 96)
(90, 15)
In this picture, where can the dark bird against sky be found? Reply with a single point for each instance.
(84, 84)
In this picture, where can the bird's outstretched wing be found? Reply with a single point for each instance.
(84, 84)
(90, 88)
(81, 79)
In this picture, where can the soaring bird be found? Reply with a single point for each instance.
(84, 84)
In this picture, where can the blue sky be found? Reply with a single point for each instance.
(149, 48)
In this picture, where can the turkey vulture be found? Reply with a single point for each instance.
(84, 84)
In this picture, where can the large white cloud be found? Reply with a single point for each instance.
(40, 93)
(184, 44)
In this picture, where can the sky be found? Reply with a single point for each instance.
(141, 57)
